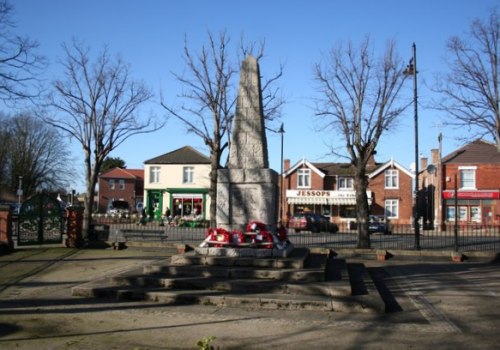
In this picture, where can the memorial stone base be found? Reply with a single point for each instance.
(244, 195)
(284, 252)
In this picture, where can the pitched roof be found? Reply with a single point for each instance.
(476, 152)
(183, 155)
(307, 164)
(123, 173)
(330, 169)
(389, 164)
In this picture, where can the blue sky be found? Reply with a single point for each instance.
(149, 34)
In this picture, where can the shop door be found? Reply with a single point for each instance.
(154, 205)
(487, 216)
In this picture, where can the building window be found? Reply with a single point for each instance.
(462, 213)
(154, 174)
(345, 183)
(391, 178)
(121, 184)
(475, 214)
(111, 183)
(450, 213)
(468, 178)
(392, 208)
(187, 175)
(304, 178)
(347, 211)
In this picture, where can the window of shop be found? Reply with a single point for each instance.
(154, 174)
(347, 211)
(187, 174)
(303, 208)
(391, 178)
(346, 183)
(450, 213)
(326, 210)
(392, 208)
(475, 214)
(462, 213)
(304, 178)
(187, 206)
(468, 178)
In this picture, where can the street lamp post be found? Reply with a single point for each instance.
(411, 69)
(19, 194)
(280, 219)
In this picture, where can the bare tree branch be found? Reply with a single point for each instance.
(470, 91)
(97, 104)
(359, 100)
(19, 63)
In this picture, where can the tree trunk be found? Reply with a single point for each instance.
(362, 210)
(214, 165)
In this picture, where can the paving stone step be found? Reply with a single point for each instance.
(303, 281)
(229, 272)
(224, 299)
(338, 288)
(295, 260)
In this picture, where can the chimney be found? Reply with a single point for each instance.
(286, 165)
(371, 161)
(435, 156)
(423, 163)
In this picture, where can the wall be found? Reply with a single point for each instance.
(403, 193)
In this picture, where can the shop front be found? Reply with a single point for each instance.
(339, 206)
(189, 205)
(475, 207)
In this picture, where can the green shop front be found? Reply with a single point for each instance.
(188, 205)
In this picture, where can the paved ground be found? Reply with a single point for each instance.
(447, 306)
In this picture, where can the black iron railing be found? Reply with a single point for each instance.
(471, 237)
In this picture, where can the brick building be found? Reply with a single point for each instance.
(328, 189)
(465, 183)
(120, 184)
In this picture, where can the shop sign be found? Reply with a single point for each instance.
(494, 194)
(321, 193)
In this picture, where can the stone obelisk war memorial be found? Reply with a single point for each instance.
(247, 189)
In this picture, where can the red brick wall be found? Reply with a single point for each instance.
(487, 176)
(403, 194)
(105, 193)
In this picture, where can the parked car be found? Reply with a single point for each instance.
(380, 224)
(312, 222)
(119, 207)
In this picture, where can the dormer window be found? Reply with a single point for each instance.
(304, 178)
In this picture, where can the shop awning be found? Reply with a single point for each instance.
(307, 200)
(323, 197)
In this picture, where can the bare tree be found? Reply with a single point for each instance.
(358, 101)
(97, 105)
(470, 91)
(19, 62)
(210, 93)
(35, 151)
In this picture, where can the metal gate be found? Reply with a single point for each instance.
(40, 221)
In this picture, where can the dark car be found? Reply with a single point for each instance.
(312, 222)
(379, 224)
